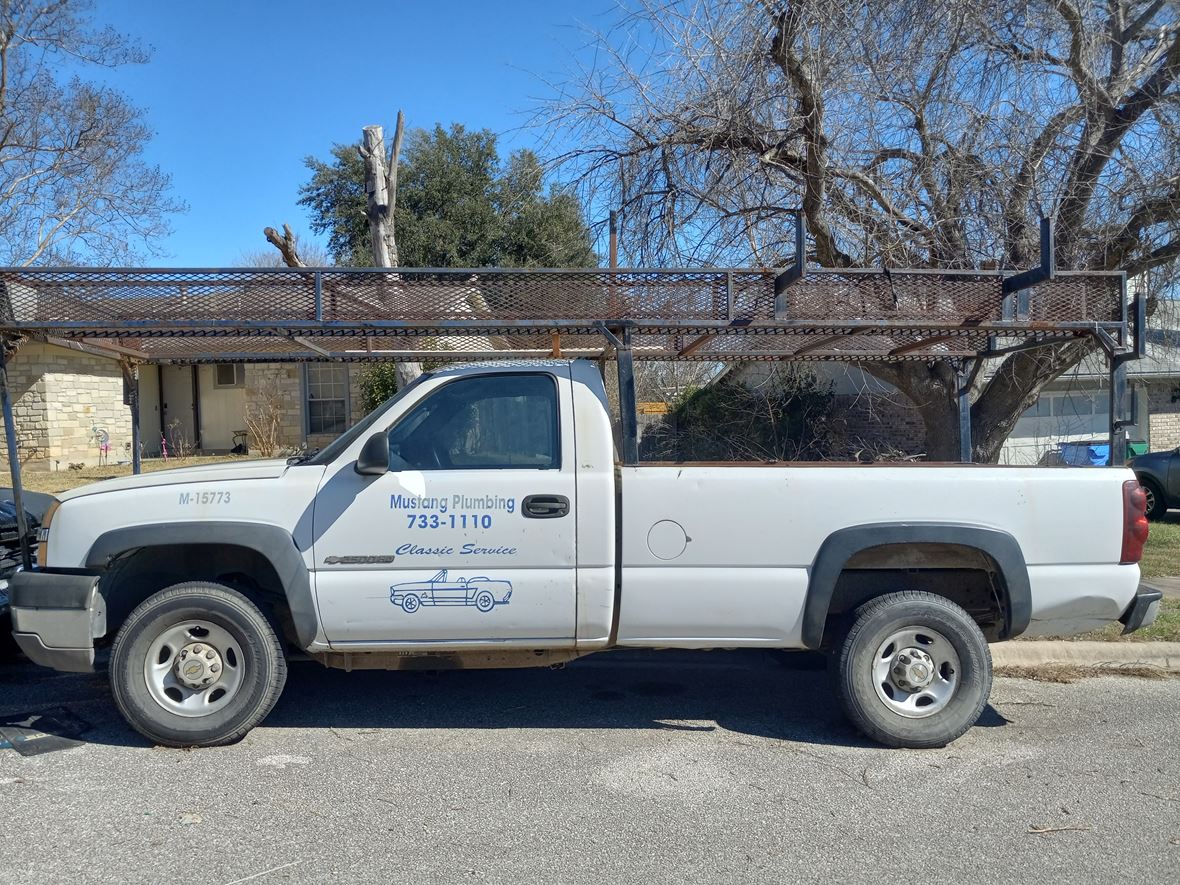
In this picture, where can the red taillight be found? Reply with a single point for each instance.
(1135, 526)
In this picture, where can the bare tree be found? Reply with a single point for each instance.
(305, 254)
(928, 133)
(74, 187)
(264, 418)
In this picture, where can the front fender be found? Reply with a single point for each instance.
(273, 543)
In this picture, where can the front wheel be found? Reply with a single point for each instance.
(196, 665)
(914, 670)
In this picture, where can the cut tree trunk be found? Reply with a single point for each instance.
(1009, 391)
(377, 194)
(380, 202)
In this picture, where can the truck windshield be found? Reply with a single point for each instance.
(329, 453)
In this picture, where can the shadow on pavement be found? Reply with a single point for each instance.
(776, 695)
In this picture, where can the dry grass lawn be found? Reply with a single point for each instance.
(1161, 557)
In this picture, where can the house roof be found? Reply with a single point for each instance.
(1161, 359)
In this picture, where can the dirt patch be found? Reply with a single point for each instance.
(1069, 673)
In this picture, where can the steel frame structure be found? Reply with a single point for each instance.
(159, 315)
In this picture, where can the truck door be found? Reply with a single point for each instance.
(469, 538)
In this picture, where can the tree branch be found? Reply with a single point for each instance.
(815, 165)
(285, 244)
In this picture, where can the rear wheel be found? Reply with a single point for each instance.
(196, 665)
(485, 601)
(8, 647)
(1157, 504)
(914, 670)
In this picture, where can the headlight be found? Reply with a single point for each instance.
(43, 534)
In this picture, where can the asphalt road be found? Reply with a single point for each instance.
(660, 767)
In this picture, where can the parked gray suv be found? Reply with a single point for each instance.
(1159, 474)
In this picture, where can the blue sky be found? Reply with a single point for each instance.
(240, 92)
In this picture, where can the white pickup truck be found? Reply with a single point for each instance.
(479, 519)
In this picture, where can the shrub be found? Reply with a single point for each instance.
(787, 418)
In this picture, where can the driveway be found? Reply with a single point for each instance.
(653, 767)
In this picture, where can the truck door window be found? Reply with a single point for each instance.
(489, 422)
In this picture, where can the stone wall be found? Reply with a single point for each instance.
(277, 388)
(26, 385)
(61, 398)
(1163, 403)
(264, 380)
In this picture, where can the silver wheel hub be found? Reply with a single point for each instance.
(912, 669)
(194, 668)
(198, 666)
(916, 672)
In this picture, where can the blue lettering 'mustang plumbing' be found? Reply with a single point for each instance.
(437, 504)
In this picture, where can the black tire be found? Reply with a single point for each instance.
(410, 604)
(873, 623)
(264, 665)
(9, 650)
(485, 601)
(1157, 503)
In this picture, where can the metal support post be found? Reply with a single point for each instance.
(628, 421)
(1118, 411)
(963, 396)
(133, 397)
(614, 239)
(795, 272)
(1016, 302)
(18, 502)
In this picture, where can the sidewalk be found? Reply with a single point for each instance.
(1170, 586)
(1103, 655)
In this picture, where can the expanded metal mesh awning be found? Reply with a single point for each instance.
(298, 314)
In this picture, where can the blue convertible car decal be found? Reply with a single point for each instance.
(482, 592)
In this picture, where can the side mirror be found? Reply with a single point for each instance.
(374, 457)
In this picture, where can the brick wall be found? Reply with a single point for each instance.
(879, 425)
(1163, 403)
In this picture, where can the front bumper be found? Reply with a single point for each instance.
(1143, 610)
(56, 616)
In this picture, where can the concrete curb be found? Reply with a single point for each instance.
(1105, 655)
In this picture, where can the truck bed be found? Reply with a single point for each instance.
(709, 546)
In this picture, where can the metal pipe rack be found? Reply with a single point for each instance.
(801, 313)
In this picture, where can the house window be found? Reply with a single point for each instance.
(327, 398)
(229, 375)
